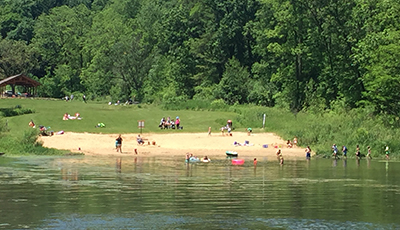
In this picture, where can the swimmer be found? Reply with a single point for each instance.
(255, 161)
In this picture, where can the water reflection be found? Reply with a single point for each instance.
(118, 165)
(165, 193)
(69, 174)
(334, 162)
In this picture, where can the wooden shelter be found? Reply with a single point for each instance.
(22, 80)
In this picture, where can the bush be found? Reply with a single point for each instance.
(30, 138)
(14, 111)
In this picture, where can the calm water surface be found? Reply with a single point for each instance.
(130, 192)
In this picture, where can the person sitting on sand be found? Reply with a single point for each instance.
(139, 140)
(289, 144)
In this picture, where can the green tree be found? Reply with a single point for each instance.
(59, 39)
(233, 85)
(378, 53)
(15, 57)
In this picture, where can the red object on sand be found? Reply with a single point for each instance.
(237, 161)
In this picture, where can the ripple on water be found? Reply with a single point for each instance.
(161, 221)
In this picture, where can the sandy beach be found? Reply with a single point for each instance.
(199, 144)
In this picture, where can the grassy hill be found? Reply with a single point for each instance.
(117, 118)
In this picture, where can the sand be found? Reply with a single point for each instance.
(199, 144)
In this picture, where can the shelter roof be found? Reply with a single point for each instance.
(19, 79)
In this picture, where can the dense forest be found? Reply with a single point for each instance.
(297, 54)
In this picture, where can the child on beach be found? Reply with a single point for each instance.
(118, 143)
(295, 141)
(249, 130)
(209, 131)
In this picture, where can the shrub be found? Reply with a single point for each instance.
(14, 111)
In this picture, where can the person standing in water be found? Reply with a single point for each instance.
(335, 150)
(308, 153)
(387, 152)
(358, 154)
(369, 153)
(344, 150)
(118, 143)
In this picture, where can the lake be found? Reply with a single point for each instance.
(128, 192)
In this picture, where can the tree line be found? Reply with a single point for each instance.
(296, 54)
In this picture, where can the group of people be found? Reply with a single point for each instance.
(66, 98)
(290, 144)
(170, 123)
(140, 140)
(358, 152)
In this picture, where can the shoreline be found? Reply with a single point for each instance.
(198, 144)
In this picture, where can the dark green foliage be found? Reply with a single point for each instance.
(15, 111)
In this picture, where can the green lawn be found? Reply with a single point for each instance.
(117, 118)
